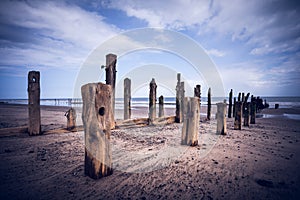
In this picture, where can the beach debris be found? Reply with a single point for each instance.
(208, 104)
(221, 118)
(110, 75)
(246, 113)
(161, 112)
(179, 99)
(71, 119)
(238, 115)
(230, 104)
(127, 98)
(190, 127)
(97, 118)
(152, 102)
(34, 124)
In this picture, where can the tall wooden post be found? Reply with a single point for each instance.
(208, 104)
(182, 96)
(127, 98)
(161, 112)
(96, 118)
(178, 114)
(238, 115)
(252, 112)
(34, 124)
(152, 101)
(110, 69)
(221, 118)
(230, 104)
(239, 97)
(246, 113)
(233, 111)
(190, 127)
(71, 119)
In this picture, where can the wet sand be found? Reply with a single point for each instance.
(260, 162)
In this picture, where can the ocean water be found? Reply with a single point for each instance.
(284, 102)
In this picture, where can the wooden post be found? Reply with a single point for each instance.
(238, 115)
(96, 118)
(252, 112)
(208, 104)
(178, 114)
(182, 95)
(197, 91)
(161, 106)
(246, 113)
(110, 69)
(230, 104)
(152, 102)
(71, 119)
(190, 127)
(127, 98)
(221, 118)
(233, 110)
(243, 97)
(34, 124)
(239, 97)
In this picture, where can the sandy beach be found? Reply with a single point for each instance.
(259, 162)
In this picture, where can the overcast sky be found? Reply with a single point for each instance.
(254, 45)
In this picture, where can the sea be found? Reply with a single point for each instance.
(169, 102)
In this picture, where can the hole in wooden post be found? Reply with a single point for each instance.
(101, 111)
(33, 79)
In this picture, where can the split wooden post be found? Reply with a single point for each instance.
(252, 112)
(161, 112)
(208, 104)
(110, 69)
(34, 124)
(233, 110)
(71, 119)
(246, 113)
(127, 98)
(190, 127)
(178, 114)
(238, 115)
(152, 102)
(96, 118)
(221, 118)
(230, 104)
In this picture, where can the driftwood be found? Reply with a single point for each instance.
(34, 124)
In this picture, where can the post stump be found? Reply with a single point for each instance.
(238, 115)
(127, 98)
(152, 102)
(71, 119)
(221, 118)
(161, 112)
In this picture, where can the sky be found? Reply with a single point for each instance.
(249, 46)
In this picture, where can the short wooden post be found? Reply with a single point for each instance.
(238, 115)
(197, 91)
(252, 112)
(96, 111)
(178, 114)
(246, 114)
(110, 69)
(221, 118)
(230, 104)
(243, 96)
(161, 112)
(239, 97)
(127, 98)
(208, 104)
(152, 102)
(190, 127)
(233, 109)
(34, 124)
(71, 119)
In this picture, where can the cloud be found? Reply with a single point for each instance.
(215, 52)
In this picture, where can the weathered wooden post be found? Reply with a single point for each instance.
(238, 115)
(239, 97)
(152, 102)
(246, 113)
(71, 119)
(127, 98)
(161, 112)
(182, 96)
(34, 124)
(110, 69)
(252, 112)
(230, 104)
(96, 118)
(178, 114)
(221, 118)
(197, 91)
(208, 104)
(233, 110)
(190, 127)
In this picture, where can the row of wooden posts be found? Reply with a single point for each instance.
(98, 111)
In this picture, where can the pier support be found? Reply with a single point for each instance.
(34, 124)
(152, 102)
(127, 98)
(191, 120)
(221, 118)
(96, 118)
